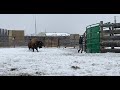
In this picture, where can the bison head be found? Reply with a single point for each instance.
(40, 44)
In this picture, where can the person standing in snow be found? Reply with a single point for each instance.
(80, 44)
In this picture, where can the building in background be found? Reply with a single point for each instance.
(11, 37)
(16, 37)
(42, 34)
(4, 39)
(53, 34)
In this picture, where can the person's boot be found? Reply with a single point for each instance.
(78, 51)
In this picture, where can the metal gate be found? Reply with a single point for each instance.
(93, 38)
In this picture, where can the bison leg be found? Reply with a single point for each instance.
(33, 49)
(37, 49)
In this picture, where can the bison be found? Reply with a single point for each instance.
(34, 44)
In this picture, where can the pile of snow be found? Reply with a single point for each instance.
(110, 47)
(57, 62)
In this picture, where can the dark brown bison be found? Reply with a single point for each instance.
(34, 44)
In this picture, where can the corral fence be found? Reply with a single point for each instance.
(9, 41)
(110, 37)
(102, 37)
(49, 41)
(55, 41)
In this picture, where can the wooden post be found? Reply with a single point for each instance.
(112, 34)
(101, 34)
(44, 41)
(111, 28)
(84, 42)
(51, 41)
(58, 42)
(74, 41)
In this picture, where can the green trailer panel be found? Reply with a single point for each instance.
(93, 39)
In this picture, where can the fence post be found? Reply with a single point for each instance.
(112, 34)
(44, 41)
(74, 41)
(58, 42)
(101, 35)
(51, 41)
(84, 44)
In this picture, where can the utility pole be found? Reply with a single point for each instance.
(45, 30)
(115, 19)
(35, 27)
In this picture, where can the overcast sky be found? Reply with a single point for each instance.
(70, 23)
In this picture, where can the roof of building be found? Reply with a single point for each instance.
(57, 34)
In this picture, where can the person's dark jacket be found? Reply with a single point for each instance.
(81, 40)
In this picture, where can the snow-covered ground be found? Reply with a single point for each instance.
(57, 62)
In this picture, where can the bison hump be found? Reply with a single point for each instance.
(34, 40)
